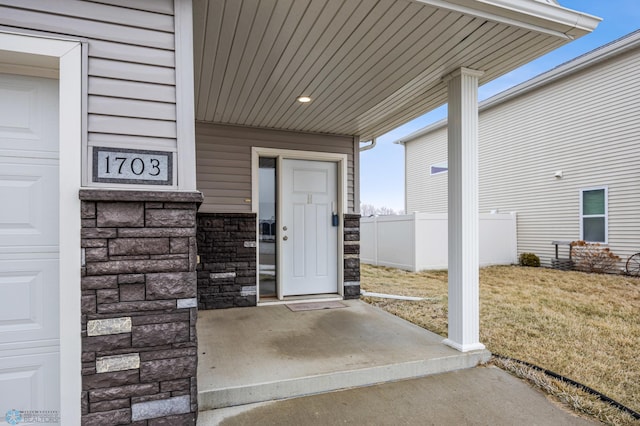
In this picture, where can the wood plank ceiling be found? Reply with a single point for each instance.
(368, 65)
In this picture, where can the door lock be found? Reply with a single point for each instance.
(285, 238)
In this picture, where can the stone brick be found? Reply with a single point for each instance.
(179, 420)
(110, 405)
(193, 253)
(114, 214)
(99, 282)
(179, 245)
(175, 385)
(109, 380)
(352, 236)
(137, 246)
(352, 263)
(132, 292)
(183, 206)
(88, 304)
(352, 292)
(161, 408)
(153, 205)
(154, 397)
(106, 343)
(187, 303)
(143, 305)
(105, 418)
(119, 392)
(123, 362)
(88, 223)
(87, 210)
(160, 334)
(156, 232)
(137, 266)
(171, 285)
(102, 327)
(98, 233)
(168, 218)
(131, 279)
(107, 296)
(168, 353)
(93, 242)
(84, 402)
(352, 249)
(160, 318)
(88, 357)
(167, 369)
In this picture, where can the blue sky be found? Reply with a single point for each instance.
(382, 168)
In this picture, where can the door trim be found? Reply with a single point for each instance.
(68, 56)
(288, 154)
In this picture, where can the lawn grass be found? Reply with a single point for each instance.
(582, 326)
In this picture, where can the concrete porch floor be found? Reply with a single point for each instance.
(249, 355)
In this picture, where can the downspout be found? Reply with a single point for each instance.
(370, 146)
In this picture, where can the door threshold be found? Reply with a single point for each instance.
(302, 299)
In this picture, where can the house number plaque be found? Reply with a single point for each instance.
(132, 166)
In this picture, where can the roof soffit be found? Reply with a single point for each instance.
(369, 66)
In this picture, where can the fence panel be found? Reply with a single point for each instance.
(419, 241)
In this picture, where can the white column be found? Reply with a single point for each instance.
(464, 300)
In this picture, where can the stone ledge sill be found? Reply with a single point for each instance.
(137, 195)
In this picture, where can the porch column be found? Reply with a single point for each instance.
(464, 316)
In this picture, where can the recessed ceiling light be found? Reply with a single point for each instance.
(304, 99)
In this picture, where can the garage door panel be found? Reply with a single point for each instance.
(26, 119)
(30, 289)
(24, 381)
(29, 243)
(32, 190)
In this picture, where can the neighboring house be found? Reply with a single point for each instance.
(120, 118)
(562, 150)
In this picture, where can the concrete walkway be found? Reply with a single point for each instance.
(477, 396)
(265, 353)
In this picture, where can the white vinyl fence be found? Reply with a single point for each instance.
(419, 241)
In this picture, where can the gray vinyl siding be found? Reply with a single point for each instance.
(586, 125)
(223, 160)
(131, 63)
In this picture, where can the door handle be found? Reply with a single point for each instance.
(285, 238)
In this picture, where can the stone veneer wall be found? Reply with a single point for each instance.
(139, 308)
(228, 259)
(351, 256)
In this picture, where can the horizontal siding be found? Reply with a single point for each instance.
(585, 125)
(131, 62)
(158, 6)
(426, 193)
(223, 161)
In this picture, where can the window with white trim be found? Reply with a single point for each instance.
(439, 168)
(593, 215)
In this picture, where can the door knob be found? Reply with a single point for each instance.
(285, 238)
(284, 228)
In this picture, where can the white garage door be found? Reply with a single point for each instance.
(29, 271)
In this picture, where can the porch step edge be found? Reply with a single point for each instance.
(330, 382)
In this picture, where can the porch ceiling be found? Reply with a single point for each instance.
(368, 65)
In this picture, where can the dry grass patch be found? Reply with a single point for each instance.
(582, 326)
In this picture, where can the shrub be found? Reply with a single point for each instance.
(529, 259)
(592, 257)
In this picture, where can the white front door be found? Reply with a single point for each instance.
(309, 238)
(29, 248)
